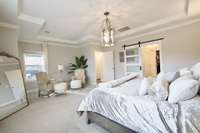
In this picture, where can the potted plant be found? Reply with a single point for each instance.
(78, 68)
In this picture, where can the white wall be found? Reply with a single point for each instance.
(89, 53)
(98, 64)
(8, 41)
(61, 55)
(56, 55)
(179, 49)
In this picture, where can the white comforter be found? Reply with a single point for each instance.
(141, 114)
(189, 118)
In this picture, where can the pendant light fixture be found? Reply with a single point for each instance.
(107, 32)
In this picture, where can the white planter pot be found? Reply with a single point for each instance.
(80, 75)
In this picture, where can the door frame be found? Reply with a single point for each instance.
(112, 51)
(159, 42)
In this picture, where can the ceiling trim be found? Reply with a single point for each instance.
(91, 43)
(92, 38)
(83, 40)
(30, 42)
(86, 38)
(48, 43)
(53, 39)
(151, 25)
(28, 18)
(193, 21)
(10, 26)
(64, 43)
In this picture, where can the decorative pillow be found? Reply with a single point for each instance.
(182, 89)
(171, 76)
(145, 85)
(196, 71)
(160, 76)
(160, 89)
(185, 72)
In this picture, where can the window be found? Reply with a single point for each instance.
(34, 63)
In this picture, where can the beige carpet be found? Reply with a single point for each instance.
(50, 115)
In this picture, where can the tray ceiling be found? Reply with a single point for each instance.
(78, 21)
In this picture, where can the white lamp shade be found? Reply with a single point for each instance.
(60, 67)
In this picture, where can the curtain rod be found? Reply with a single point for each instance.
(139, 43)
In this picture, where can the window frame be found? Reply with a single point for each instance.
(25, 66)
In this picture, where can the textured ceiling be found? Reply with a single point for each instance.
(78, 21)
(75, 19)
(8, 11)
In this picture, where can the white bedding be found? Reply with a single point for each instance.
(143, 114)
(190, 116)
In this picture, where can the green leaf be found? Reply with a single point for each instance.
(70, 72)
(78, 62)
(72, 69)
(82, 58)
(85, 61)
(85, 66)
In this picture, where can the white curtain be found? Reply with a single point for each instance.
(45, 53)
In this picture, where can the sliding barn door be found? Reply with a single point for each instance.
(132, 60)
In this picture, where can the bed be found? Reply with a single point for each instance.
(119, 109)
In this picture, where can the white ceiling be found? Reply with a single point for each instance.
(8, 11)
(79, 21)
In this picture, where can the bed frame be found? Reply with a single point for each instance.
(109, 125)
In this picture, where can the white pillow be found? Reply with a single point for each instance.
(185, 72)
(171, 76)
(160, 89)
(145, 85)
(160, 76)
(182, 89)
(196, 71)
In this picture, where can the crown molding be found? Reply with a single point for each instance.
(62, 45)
(152, 25)
(65, 43)
(166, 28)
(91, 43)
(80, 42)
(46, 42)
(30, 42)
(91, 39)
(86, 38)
(9, 26)
(55, 40)
(31, 19)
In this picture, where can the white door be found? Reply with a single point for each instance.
(107, 66)
(132, 60)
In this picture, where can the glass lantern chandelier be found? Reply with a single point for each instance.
(107, 32)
